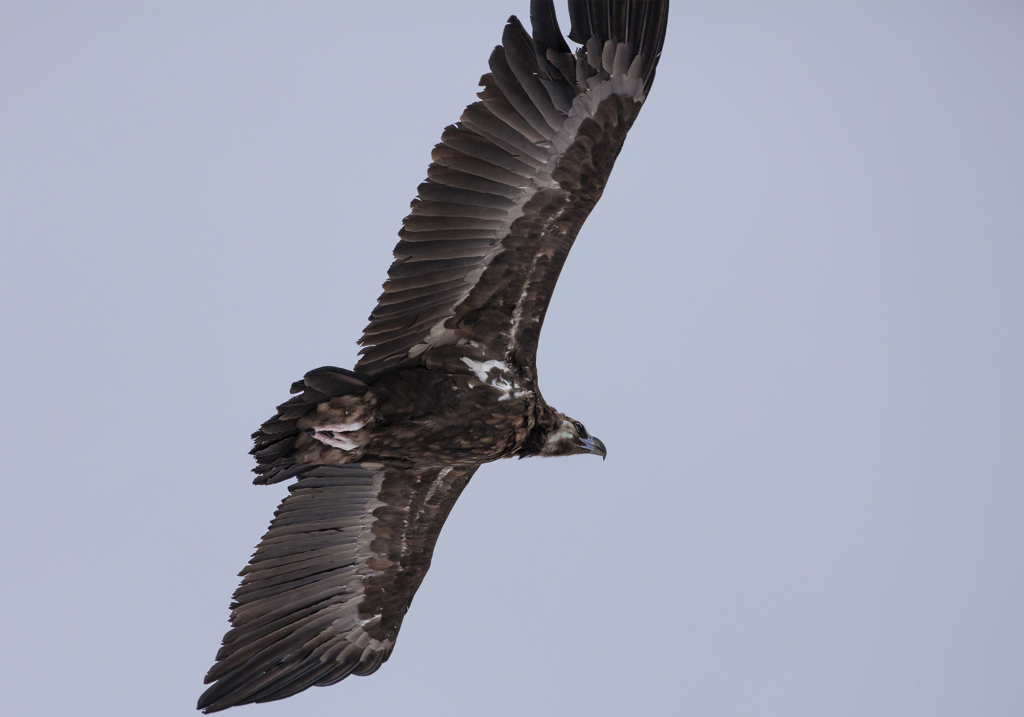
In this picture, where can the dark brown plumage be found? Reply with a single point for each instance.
(447, 377)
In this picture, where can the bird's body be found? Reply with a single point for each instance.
(447, 380)
(419, 416)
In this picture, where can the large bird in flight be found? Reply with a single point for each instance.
(447, 377)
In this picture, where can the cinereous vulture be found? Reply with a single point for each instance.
(447, 379)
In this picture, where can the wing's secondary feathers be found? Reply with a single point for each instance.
(511, 184)
(325, 592)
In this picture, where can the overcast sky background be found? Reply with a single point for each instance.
(796, 318)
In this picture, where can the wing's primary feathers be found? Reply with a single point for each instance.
(511, 184)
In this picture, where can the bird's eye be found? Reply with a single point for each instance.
(580, 429)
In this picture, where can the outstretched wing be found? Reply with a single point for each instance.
(512, 183)
(325, 592)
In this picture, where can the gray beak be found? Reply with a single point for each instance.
(595, 446)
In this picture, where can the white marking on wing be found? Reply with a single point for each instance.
(442, 474)
(517, 312)
(483, 369)
(504, 381)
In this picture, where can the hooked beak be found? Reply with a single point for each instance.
(595, 446)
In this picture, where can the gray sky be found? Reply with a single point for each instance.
(796, 318)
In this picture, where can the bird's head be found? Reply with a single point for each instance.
(568, 437)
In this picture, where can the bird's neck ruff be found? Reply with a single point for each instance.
(547, 423)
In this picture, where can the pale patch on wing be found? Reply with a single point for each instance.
(583, 107)
(495, 374)
(482, 369)
(437, 483)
